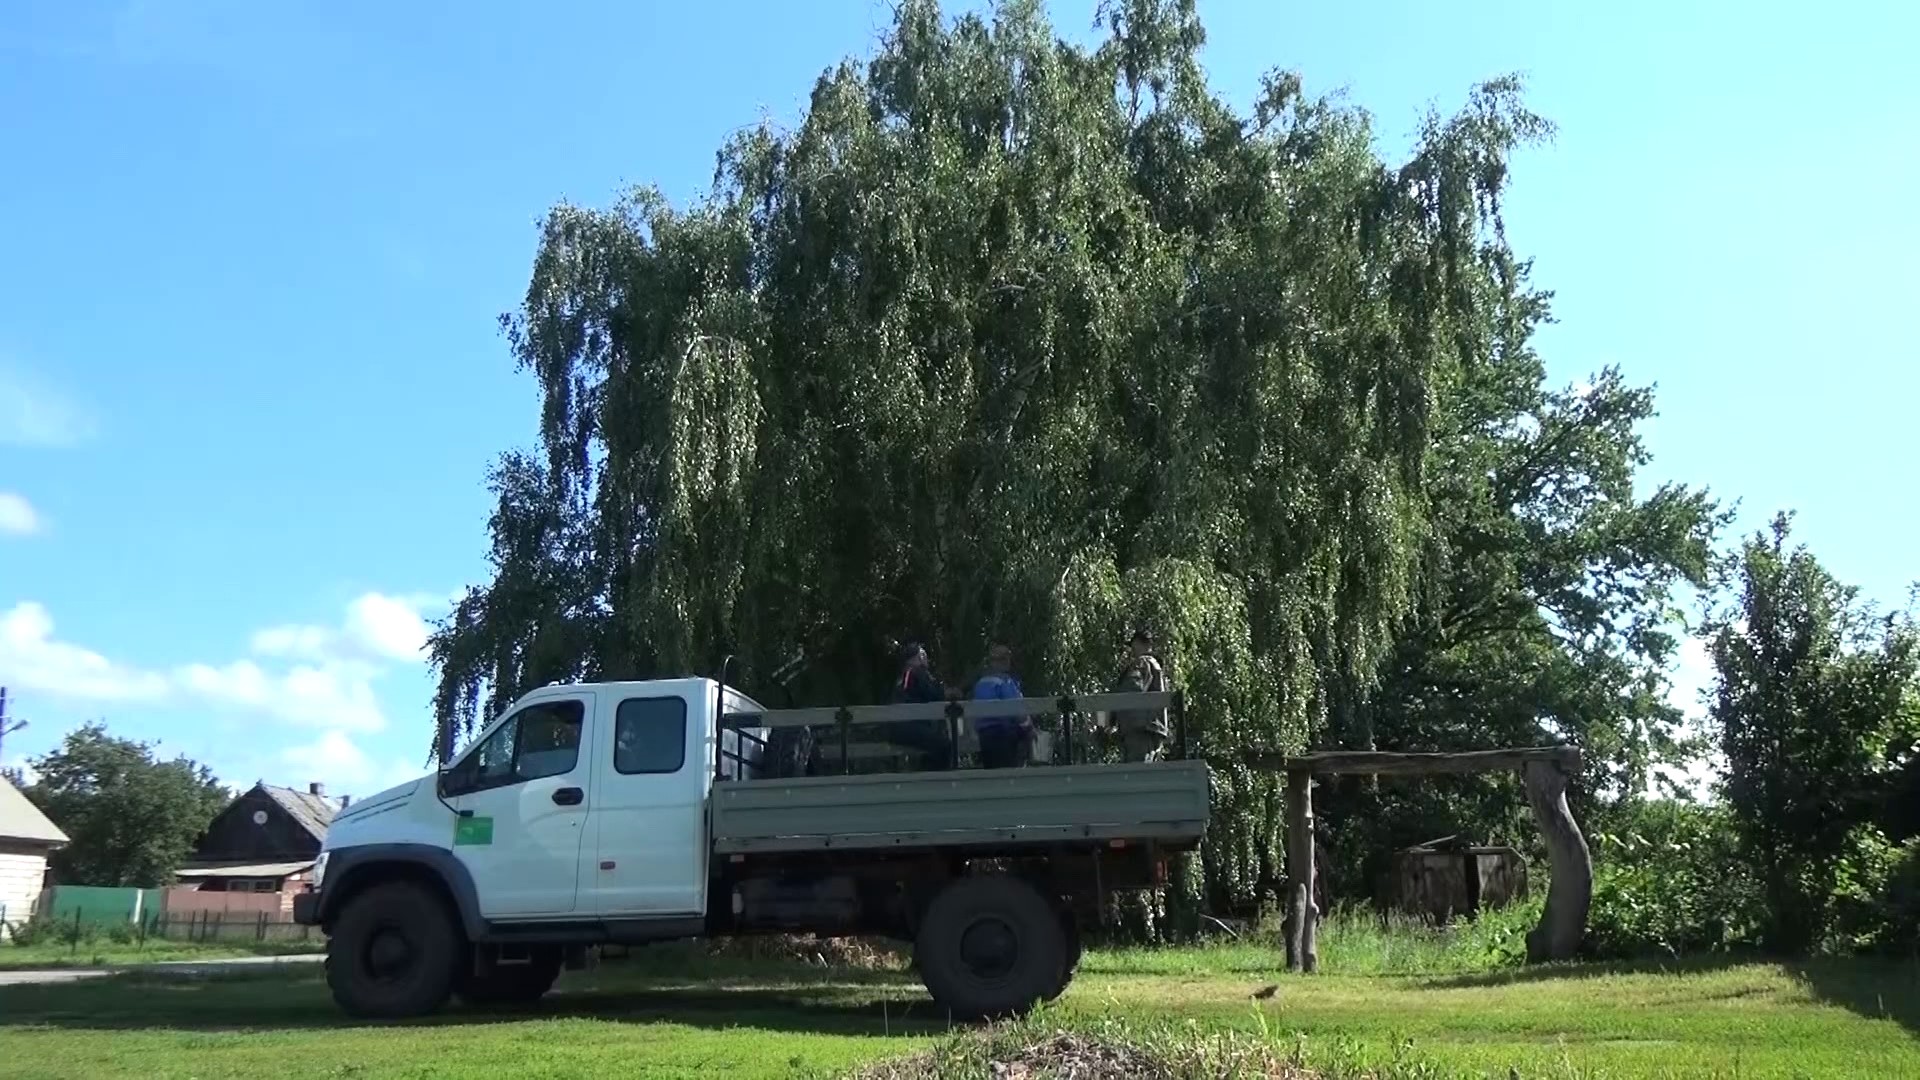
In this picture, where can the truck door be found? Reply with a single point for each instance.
(527, 785)
(649, 821)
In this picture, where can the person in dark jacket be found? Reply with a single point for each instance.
(918, 686)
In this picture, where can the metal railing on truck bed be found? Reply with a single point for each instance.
(845, 718)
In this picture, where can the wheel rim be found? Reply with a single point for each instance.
(388, 956)
(989, 948)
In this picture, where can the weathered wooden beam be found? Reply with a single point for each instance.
(937, 710)
(1303, 918)
(1563, 922)
(1385, 763)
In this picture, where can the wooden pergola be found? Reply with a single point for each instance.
(1544, 770)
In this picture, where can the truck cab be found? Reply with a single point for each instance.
(579, 802)
(630, 812)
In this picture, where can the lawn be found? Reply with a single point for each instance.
(670, 1013)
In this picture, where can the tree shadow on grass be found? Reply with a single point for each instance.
(1880, 989)
(1594, 969)
(1874, 987)
(843, 1003)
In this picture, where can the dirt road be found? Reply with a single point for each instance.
(182, 968)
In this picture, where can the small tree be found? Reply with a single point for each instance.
(1809, 700)
(130, 819)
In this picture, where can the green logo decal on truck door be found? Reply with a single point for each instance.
(472, 830)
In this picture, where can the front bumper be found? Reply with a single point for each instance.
(306, 908)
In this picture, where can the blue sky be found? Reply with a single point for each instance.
(251, 260)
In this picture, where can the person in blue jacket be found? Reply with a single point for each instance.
(1005, 741)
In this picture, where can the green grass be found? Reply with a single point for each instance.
(105, 953)
(674, 1013)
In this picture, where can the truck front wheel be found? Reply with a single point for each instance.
(393, 953)
(990, 947)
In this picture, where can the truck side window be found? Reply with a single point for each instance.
(493, 762)
(650, 735)
(539, 740)
(549, 740)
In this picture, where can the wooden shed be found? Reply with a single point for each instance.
(1445, 878)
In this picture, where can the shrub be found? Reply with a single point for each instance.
(1903, 900)
(1876, 895)
(1667, 882)
(46, 930)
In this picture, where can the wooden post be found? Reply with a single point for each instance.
(1545, 769)
(1570, 892)
(1302, 952)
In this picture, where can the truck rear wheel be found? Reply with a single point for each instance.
(991, 947)
(511, 984)
(1070, 927)
(392, 953)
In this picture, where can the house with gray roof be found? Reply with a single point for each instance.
(265, 841)
(26, 838)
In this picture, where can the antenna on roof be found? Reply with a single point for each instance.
(6, 728)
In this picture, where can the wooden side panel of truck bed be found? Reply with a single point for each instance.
(1163, 801)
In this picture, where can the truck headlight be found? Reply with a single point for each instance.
(319, 871)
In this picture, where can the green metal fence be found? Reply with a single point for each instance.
(100, 905)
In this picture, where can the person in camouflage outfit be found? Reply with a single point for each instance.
(1143, 732)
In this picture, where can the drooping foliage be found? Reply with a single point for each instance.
(1543, 610)
(1014, 339)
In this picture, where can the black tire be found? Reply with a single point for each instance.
(506, 985)
(990, 947)
(393, 953)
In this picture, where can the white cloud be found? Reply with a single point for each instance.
(293, 641)
(17, 516)
(33, 413)
(322, 696)
(306, 675)
(32, 658)
(337, 761)
(331, 684)
(390, 627)
(377, 628)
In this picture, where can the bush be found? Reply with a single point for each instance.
(46, 930)
(1667, 882)
(1359, 939)
(1903, 900)
(1876, 895)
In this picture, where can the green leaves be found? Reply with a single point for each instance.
(1812, 706)
(130, 819)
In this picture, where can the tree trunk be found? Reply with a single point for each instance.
(1570, 891)
(1303, 954)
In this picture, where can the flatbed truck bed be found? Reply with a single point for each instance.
(1001, 809)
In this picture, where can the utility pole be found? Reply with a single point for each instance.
(6, 727)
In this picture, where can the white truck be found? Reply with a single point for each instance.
(636, 812)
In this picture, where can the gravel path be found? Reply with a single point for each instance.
(184, 968)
